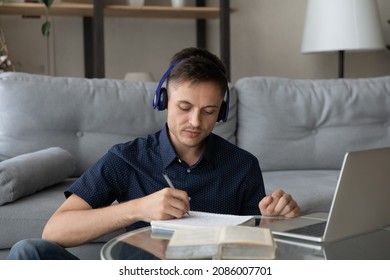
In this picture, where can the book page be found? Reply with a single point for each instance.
(246, 235)
(201, 243)
(197, 219)
(222, 242)
(202, 236)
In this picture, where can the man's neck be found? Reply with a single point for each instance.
(190, 155)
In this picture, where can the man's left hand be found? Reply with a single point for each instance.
(279, 203)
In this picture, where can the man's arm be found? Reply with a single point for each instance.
(75, 222)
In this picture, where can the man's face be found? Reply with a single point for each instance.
(192, 112)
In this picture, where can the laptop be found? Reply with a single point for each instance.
(369, 246)
(360, 203)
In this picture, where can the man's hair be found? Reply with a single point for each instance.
(198, 65)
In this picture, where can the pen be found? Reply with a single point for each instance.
(170, 184)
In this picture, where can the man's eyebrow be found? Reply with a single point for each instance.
(183, 101)
(187, 102)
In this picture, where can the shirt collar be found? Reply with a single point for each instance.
(168, 153)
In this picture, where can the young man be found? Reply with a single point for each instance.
(217, 175)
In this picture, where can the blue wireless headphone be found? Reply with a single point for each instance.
(160, 99)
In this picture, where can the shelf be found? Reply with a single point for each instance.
(94, 12)
(71, 9)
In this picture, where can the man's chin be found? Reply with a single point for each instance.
(192, 142)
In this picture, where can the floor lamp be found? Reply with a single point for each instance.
(342, 25)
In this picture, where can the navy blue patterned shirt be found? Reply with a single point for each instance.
(226, 179)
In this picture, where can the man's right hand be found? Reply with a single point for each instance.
(167, 203)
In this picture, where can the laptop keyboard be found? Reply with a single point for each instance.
(312, 230)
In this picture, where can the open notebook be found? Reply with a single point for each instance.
(197, 219)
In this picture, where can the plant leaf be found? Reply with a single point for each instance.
(45, 29)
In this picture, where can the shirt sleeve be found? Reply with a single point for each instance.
(98, 186)
(254, 190)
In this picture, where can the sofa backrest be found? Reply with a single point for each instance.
(84, 116)
(311, 124)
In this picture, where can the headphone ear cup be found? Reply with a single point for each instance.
(160, 100)
(163, 99)
(222, 112)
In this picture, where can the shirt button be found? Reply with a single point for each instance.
(188, 170)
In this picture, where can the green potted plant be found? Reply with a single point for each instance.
(45, 29)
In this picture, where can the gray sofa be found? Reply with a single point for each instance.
(298, 129)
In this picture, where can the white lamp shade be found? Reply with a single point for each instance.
(334, 25)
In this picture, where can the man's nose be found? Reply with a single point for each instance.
(195, 118)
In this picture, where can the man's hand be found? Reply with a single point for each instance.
(167, 203)
(279, 203)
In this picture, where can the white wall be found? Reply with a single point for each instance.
(267, 37)
(265, 40)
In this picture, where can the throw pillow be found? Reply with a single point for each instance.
(28, 173)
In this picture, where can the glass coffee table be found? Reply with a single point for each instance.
(143, 244)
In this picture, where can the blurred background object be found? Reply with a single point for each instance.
(5, 61)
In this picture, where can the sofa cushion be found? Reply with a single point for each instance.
(28, 173)
(310, 124)
(26, 217)
(313, 190)
(84, 116)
